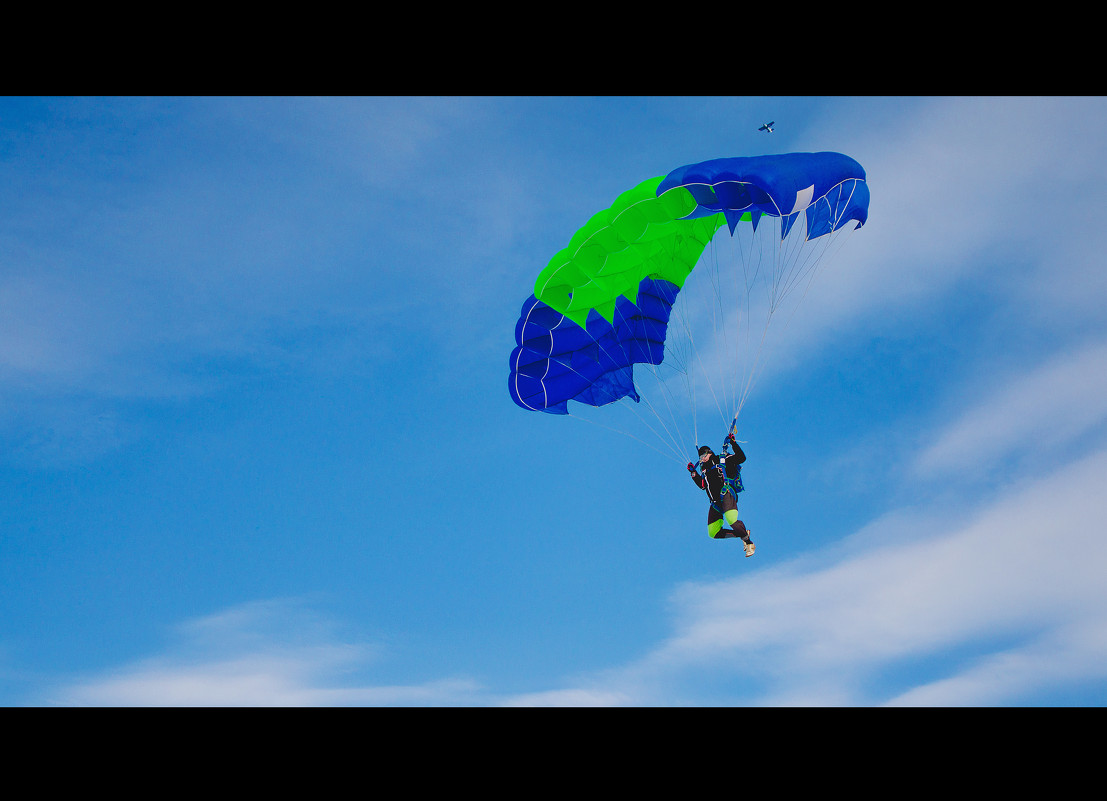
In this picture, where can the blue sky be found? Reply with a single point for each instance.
(256, 445)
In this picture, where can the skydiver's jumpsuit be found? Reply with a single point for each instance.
(724, 503)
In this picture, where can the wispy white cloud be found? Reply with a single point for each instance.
(264, 680)
(973, 189)
(995, 603)
(1046, 407)
(1064, 658)
(272, 653)
(1016, 583)
(157, 250)
(989, 597)
(977, 599)
(573, 697)
(969, 195)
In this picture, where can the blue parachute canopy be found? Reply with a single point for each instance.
(829, 188)
(590, 360)
(556, 360)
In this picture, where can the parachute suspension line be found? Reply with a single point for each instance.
(814, 258)
(751, 271)
(683, 344)
(729, 309)
(682, 356)
(717, 293)
(733, 306)
(674, 442)
(617, 249)
(729, 330)
(785, 265)
(731, 335)
(779, 282)
(664, 422)
(683, 314)
(676, 361)
(837, 237)
(671, 441)
(678, 458)
(673, 447)
(749, 256)
(714, 309)
(697, 357)
(687, 360)
(720, 319)
(754, 371)
(784, 262)
(731, 366)
(801, 269)
(664, 390)
(635, 411)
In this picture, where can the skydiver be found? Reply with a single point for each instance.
(718, 480)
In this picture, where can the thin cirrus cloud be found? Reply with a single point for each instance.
(267, 653)
(979, 602)
(983, 599)
(984, 605)
(988, 606)
(1047, 407)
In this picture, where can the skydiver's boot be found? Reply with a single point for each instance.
(738, 529)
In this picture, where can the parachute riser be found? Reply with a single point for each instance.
(731, 430)
(732, 484)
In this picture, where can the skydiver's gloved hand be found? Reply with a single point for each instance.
(691, 468)
(730, 438)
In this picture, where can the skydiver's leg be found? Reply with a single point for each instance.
(738, 527)
(730, 511)
(715, 528)
(715, 525)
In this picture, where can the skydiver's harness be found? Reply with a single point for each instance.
(733, 485)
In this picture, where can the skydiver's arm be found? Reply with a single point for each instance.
(697, 479)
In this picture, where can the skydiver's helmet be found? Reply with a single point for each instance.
(704, 449)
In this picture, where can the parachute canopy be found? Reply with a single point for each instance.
(603, 303)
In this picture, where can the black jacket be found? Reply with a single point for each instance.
(714, 478)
